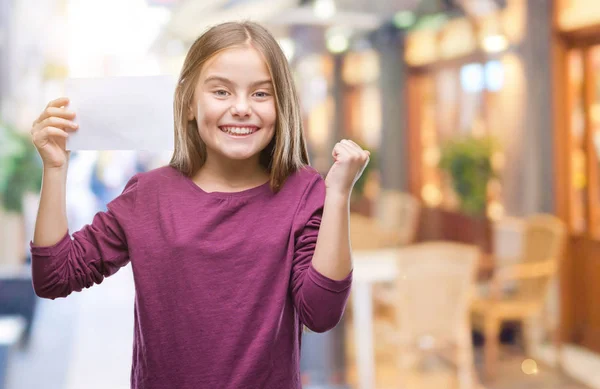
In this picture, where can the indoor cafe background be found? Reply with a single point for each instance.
(474, 228)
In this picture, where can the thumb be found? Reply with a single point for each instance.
(336, 151)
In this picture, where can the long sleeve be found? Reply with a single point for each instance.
(96, 251)
(319, 300)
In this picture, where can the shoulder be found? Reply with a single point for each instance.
(309, 188)
(145, 186)
(305, 179)
(151, 182)
(158, 176)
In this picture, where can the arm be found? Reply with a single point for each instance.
(332, 253)
(96, 251)
(49, 134)
(61, 265)
(319, 300)
(527, 270)
(322, 266)
(520, 271)
(51, 221)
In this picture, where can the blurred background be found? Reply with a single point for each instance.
(475, 228)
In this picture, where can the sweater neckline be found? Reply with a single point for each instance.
(260, 189)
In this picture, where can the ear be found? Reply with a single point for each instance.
(190, 115)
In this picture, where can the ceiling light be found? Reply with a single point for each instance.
(495, 43)
(324, 9)
(337, 43)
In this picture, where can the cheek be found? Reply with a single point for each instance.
(267, 113)
(209, 111)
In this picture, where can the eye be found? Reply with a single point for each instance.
(261, 95)
(221, 93)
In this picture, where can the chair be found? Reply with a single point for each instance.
(433, 294)
(395, 222)
(518, 291)
(399, 211)
(367, 234)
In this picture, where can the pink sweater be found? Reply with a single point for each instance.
(223, 281)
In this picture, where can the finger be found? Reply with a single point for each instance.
(351, 144)
(351, 150)
(347, 146)
(364, 153)
(47, 133)
(346, 153)
(337, 151)
(53, 131)
(355, 146)
(359, 152)
(60, 102)
(56, 112)
(58, 122)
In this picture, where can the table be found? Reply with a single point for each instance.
(370, 267)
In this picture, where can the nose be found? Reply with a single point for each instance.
(241, 107)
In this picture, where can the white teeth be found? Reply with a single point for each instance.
(238, 130)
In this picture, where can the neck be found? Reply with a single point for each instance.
(233, 174)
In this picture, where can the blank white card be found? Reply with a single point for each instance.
(122, 113)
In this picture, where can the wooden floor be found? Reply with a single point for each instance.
(435, 373)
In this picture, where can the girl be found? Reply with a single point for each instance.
(234, 246)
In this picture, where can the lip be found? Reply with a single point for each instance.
(254, 128)
(240, 126)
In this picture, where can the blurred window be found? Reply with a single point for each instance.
(584, 139)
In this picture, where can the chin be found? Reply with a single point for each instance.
(240, 156)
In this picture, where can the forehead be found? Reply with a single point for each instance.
(234, 63)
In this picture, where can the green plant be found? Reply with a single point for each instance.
(468, 162)
(20, 168)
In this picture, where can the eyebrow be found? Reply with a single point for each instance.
(227, 81)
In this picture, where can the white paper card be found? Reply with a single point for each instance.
(122, 113)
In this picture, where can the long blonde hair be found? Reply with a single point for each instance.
(287, 152)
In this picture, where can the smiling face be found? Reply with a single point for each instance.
(234, 105)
